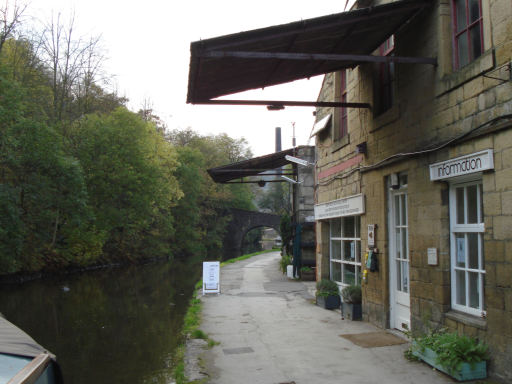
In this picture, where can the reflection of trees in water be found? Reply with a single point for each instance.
(115, 325)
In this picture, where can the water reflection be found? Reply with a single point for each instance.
(112, 326)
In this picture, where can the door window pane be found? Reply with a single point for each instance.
(398, 275)
(403, 209)
(404, 253)
(398, 244)
(405, 276)
(397, 210)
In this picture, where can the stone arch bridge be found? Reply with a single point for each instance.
(242, 222)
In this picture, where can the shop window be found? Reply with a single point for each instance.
(345, 250)
(384, 78)
(467, 31)
(467, 256)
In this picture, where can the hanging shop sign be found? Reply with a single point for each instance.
(211, 280)
(348, 206)
(464, 165)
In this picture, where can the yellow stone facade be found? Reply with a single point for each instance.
(438, 113)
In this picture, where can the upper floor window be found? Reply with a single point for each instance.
(467, 31)
(384, 79)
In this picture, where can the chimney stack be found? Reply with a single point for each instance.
(278, 139)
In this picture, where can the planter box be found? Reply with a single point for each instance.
(351, 311)
(308, 276)
(329, 302)
(466, 371)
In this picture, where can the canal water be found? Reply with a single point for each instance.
(118, 325)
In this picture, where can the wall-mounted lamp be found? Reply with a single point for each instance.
(291, 180)
(296, 160)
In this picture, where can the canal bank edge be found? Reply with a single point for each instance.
(189, 367)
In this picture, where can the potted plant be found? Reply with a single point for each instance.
(307, 274)
(461, 357)
(351, 303)
(327, 294)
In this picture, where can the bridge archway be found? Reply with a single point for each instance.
(241, 223)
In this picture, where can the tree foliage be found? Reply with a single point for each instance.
(84, 181)
(210, 206)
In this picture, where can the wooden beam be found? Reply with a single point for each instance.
(285, 103)
(253, 181)
(319, 56)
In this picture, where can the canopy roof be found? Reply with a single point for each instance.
(283, 53)
(257, 166)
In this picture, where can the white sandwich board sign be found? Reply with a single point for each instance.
(211, 277)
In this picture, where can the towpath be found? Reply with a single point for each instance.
(271, 332)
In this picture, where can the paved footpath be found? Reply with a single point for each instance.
(271, 332)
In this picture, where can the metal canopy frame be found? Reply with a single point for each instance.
(279, 54)
(237, 173)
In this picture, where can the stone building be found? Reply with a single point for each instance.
(422, 180)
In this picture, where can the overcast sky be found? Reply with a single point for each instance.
(148, 48)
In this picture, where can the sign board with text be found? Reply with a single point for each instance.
(211, 277)
(348, 206)
(464, 165)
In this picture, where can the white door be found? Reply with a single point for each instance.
(400, 312)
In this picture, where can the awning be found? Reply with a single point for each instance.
(257, 166)
(283, 53)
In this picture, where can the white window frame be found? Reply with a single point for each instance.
(341, 239)
(464, 229)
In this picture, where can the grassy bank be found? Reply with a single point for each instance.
(192, 321)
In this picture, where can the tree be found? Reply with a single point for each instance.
(275, 198)
(10, 20)
(214, 199)
(129, 170)
(44, 201)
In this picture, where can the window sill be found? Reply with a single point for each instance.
(340, 143)
(386, 118)
(459, 77)
(467, 319)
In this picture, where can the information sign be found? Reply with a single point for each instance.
(211, 277)
(348, 206)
